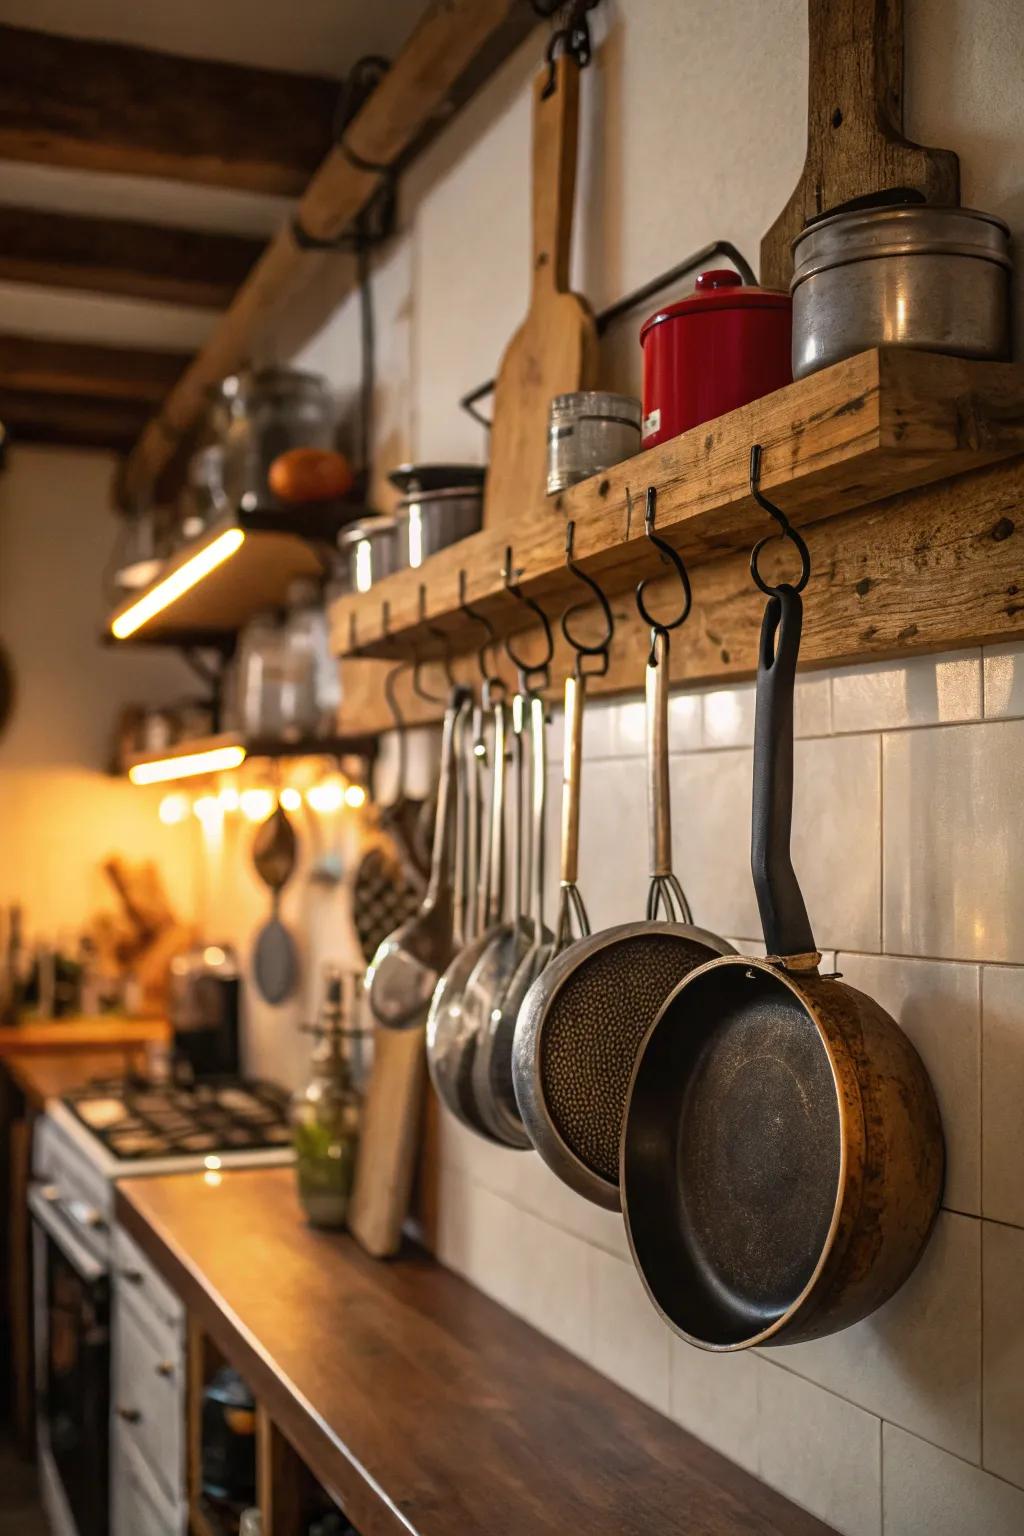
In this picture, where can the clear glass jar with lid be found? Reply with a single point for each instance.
(312, 690)
(273, 411)
(327, 1113)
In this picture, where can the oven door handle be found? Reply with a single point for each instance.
(47, 1214)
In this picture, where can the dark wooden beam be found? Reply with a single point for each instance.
(71, 421)
(141, 261)
(31, 365)
(108, 107)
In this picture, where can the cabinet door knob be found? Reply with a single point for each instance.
(165, 1368)
(129, 1415)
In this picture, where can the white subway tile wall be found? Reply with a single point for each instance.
(910, 781)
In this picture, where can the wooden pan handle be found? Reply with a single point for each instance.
(855, 142)
(555, 140)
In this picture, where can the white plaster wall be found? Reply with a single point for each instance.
(61, 812)
(909, 777)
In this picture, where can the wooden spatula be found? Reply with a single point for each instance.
(555, 349)
(855, 142)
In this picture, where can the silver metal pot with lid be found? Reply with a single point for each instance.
(893, 271)
(371, 548)
(439, 505)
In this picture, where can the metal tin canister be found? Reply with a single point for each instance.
(372, 550)
(723, 346)
(588, 431)
(903, 275)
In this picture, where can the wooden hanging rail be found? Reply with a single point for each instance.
(454, 48)
(878, 424)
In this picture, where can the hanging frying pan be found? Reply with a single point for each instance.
(782, 1155)
(582, 1021)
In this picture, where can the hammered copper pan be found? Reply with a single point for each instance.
(782, 1155)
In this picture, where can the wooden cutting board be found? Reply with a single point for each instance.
(855, 142)
(555, 349)
(388, 1142)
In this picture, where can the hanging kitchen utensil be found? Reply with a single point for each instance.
(492, 1062)
(275, 961)
(554, 352)
(782, 1154)
(403, 820)
(582, 1021)
(855, 143)
(450, 1041)
(405, 970)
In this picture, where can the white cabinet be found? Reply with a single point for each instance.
(147, 1399)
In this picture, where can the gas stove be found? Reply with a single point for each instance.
(139, 1121)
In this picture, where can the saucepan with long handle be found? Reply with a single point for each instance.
(582, 1021)
(782, 1154)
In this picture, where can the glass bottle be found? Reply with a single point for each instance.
(326, 1116)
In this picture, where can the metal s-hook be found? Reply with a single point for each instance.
(446, 655)
(787, 531)
(599, 649)
(532, 673)
(494, 686)
(671, 557)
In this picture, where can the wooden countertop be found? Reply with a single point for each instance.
(423, 1407)
(44, 1075)
(101, 1034)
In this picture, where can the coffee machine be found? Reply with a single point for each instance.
(203, 1007)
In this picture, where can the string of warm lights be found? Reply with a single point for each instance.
(327, 796)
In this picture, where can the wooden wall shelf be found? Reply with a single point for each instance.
(351, 744)
(903, 471)
(878, 424)
(278, 547)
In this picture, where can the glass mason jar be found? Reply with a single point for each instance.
(272, 411)
(326, 1117)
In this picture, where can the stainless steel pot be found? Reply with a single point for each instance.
(588, 431)
(903, 275)
(432, 520)
(372, 551)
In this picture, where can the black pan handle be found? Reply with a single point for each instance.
(787, 928)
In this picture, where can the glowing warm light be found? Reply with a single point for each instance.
(355, 796)
(212, 1178)
(173, 809)
(211, 1162)
(290, 798)
(325, 797)
(256, 804)
(207, 809)
(178, 583)
(213, 955)
(187, 766)
(228, 798)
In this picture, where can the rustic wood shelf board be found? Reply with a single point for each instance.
(883, 422)
(934, 569)
(255, 577)
(352, 744)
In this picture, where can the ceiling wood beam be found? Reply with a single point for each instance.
(36, 366)
(110, 107)
(456, 46)
(118, 256)
(69, 420)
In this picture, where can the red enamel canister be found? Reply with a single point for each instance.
(721, 347)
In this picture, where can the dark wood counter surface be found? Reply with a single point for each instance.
(422, 1406)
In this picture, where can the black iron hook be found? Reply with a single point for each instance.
(439, 634)
(600, 648)
(787, 531)
(494, 685)
(671, 557)
(531, 673)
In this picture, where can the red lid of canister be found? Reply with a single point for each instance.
(721, 288)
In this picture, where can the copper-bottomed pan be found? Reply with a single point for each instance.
(782, 1156)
